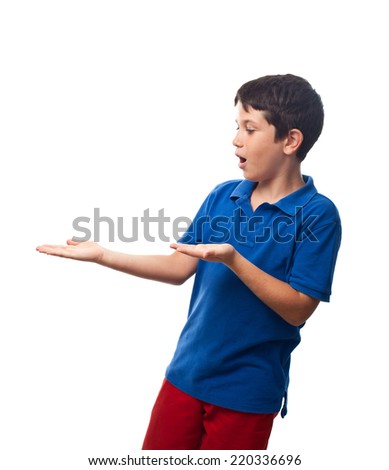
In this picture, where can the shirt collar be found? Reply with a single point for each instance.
(289, 204)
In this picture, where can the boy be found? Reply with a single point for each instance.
(264, 250)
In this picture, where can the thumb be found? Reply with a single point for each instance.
(72, 242)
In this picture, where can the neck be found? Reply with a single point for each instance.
(275, 189)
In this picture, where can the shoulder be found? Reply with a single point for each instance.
(218, 197)
(323, 207)
(227, 186)
(223, 190)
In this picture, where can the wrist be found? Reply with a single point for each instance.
(103, 257)
(232, 260)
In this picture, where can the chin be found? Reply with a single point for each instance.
(251, 177)
(248, 178)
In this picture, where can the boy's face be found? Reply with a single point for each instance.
(261, 156)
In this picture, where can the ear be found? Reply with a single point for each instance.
(293, 141)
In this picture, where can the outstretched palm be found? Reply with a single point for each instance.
(221, 253)
(83, 251)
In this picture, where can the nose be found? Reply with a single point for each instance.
(236, 142)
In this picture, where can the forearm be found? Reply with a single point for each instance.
(293, 306)
(171, 269)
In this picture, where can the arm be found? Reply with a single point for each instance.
(293, 306)
(172, 269)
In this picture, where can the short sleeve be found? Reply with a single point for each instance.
(314, 261)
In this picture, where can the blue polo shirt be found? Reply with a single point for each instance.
(234, 351)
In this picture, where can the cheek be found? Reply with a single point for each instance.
(261, 151)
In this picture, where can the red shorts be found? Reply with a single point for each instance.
(181, 422)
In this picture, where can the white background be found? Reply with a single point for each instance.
(126, 106)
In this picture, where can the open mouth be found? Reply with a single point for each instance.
(242, 161)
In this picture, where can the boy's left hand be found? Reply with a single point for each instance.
(221, 253)
(293, 306)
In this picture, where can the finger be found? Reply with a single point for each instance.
(182, 247)
(49, 247)
(72, 242)
(51, 250)
(195, 251)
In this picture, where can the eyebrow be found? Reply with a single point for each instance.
(247, 121)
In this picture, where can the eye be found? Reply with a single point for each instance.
(249, 130)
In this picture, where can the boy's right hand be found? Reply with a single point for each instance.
(82, 251)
